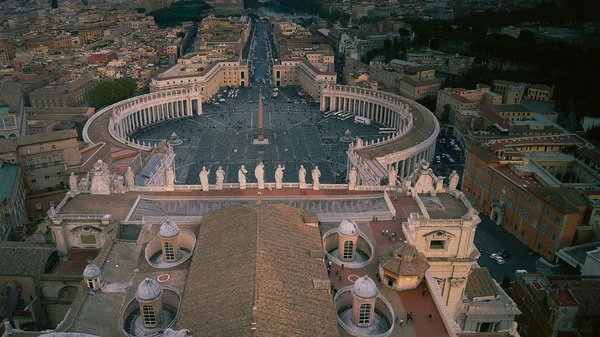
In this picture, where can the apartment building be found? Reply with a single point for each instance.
(73, 93)
(44, 157)
(204, 76)
(555, 306)
(515, 93)
(13, 122)
(294, 72)
(420, 82)
(532, 188)
(12, 196)
(451, 100)
(6, 51)
(540, 92)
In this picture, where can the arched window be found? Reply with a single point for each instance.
(169, 252)
(91, 284)
(348, 245)
(44, 161)
(149, 315)
(31, 163)
(364, 314)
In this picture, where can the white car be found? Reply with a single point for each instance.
(493, 256)
(500, 261)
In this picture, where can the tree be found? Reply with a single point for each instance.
(404, 32)
(364, 19)
(109, 92)
(526, 36)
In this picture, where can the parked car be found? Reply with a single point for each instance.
(500, 261)
(493, 256)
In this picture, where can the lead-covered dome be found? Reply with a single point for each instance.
(91, 271)
(148, 290)
(348, 228)
(168, 229)
(365, 288)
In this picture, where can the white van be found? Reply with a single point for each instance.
(222, 100)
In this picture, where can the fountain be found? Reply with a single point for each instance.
(174, 139)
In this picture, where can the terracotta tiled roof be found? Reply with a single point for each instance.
(392, 260)
(565, 199)
(21, 259)
(257, 256)
(481, 284)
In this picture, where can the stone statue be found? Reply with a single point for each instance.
(220, 178)
(316, 174)
(392, 176)
(352, 177)
(84, 185)
(129, 178)
(204, 179)
(302, 176)
(73, 183)
(259, 173)
(453, 180)
(117, 185)
(242, 177)
(279, 177)
(170, 177)
(101, 181)
(163, 146)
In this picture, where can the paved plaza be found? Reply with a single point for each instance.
(222, 136)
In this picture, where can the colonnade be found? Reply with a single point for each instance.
(375, 105)
(416, 126)
(149, 114)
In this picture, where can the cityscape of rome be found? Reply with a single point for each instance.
(302, 168)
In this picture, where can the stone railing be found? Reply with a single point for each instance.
(436, 294)
(268, 186)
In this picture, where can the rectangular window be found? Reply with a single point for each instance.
(493, 192)
(530, 200)
(509, 204)
(88, 239)
(41, 149)
(544, 229)
(526, 216)
(364, 314)
(539, 206)
(548, 212)
(519, 210)
(348, 247)
(554, 237)
(437, 245)
(534, 222)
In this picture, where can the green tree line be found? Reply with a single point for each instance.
(183, 10)
(109, 92)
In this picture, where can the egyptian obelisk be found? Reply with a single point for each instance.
(261, 140)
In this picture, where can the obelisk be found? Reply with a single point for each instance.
(261, 136)
(261, 140)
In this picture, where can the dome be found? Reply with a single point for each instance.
(348, 228)
(148, 290)
(365, 288)
(168, 229)
(91, 271)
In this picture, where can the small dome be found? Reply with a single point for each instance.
(365, 288)
(168, 229)
(148, 290)
(348, 228)
(91, 271)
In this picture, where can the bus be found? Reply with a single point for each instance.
(346, 116)
(387, 131)
(337, 114)
(362, 120)
(328, 113)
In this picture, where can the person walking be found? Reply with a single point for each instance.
(429, 318)
(401, 322)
